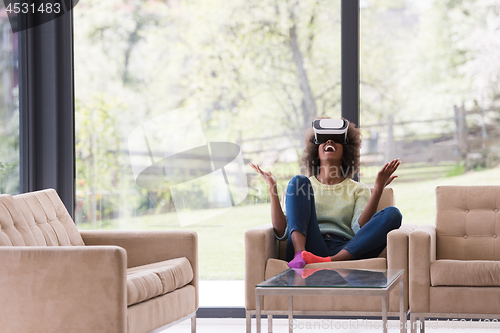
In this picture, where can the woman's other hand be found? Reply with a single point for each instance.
(385, 175)
(277, 216)
(268, 176)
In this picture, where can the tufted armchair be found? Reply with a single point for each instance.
(455, 264)
(54, 278)
(265, 257)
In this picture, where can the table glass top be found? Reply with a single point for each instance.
(333, 278)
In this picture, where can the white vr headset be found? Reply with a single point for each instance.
(334, 129)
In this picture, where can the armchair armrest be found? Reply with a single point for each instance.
(260, 245)
(63, 289)
(146, 247)
(397, 256)
(422, 252)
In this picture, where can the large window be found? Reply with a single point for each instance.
(9, 107)
(174, 98)
(430, 95)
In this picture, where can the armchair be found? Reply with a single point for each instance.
(455, 264)
(265, 257)
(55, 279)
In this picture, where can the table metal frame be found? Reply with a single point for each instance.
(329, 291)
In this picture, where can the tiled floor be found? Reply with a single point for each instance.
(231, 294)
(237, 325)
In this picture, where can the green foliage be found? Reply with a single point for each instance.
(97, 148)
(457, 170)
(9, 154)
(9, 177)
(420, 59)
(105, 188)
(9, 111)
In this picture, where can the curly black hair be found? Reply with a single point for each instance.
(350, 160)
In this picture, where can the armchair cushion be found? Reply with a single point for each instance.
(9, 234)
(156, 312)
(36, 219)
(46, 215)
(467, 222)
(465, 273)
(148, 281)
(478, 300)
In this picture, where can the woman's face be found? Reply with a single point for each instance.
(330, 151)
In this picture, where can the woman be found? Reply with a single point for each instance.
(329, 216)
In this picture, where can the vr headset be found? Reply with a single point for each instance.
(334, 129)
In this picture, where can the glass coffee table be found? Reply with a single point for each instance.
(333, 282)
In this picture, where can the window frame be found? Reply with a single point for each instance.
(46, 110)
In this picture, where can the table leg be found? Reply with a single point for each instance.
(270, 323)
(290, 314)
(384, 313)
(402, 312)
(257, 308)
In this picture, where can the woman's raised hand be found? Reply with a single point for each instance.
(277, 216)
(268, 176)
(385, 175)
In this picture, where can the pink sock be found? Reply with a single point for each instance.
(297, 261)
(310, 258)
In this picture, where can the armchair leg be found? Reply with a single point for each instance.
(193, 324)
(422, 325)
(413, 323)
(248, 322)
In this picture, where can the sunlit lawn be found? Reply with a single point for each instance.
(417, 200)
(221, 243)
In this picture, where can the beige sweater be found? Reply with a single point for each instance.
(339, 206)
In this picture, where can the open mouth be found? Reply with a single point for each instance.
(329, 148)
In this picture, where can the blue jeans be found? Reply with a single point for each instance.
(369, 242)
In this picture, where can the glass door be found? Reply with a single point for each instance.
(174, 98)
(9, 106)
(430, 96)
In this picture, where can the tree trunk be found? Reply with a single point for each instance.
(308, 104)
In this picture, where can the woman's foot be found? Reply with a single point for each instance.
(310, 258)
(297, 261)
